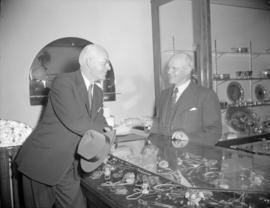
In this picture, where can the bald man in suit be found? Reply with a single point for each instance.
(48, 159)
(186, 111)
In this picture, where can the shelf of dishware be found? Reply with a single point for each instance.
(226, 105)
(239, 79)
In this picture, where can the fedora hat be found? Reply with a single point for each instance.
(93, 149)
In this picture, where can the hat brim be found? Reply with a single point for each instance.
(90, 164)
(90, 144)
(95, 162)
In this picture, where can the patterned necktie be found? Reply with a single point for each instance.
(90, 95)
(174, 95)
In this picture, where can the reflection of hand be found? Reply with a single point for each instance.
(106, 160)
(179, 139)
(112, 149)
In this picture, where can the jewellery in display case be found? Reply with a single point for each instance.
(118, 174)
(195, 196)
(151, 190)
(134, 196)
(210, 175)
(265, 200)
(149, 179)
(179, 161)
(129, 178)
(140, 191)
(145, 188)
(120, 190)
(243, 120)
(163, 164)
(107, 172)
(164, 187)
(162, 205)
(143, 202)
(153, 180)
(96, 174)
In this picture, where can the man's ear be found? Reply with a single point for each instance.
(88, 63)
(188, 71)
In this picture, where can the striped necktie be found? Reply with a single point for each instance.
(90, 95)
(174, 95)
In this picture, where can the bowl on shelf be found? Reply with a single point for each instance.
(221, 76)
(265, 73)
(240, 50)
(223, 104)
(243, 74)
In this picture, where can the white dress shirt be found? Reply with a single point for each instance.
(87, 83)
(181, 89)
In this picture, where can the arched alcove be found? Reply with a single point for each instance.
(60, 56)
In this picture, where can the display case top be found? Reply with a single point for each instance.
(200, 166)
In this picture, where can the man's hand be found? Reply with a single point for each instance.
(106, 129)
(122, 129)
(179, 139)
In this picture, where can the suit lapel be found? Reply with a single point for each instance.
(83, 91)
(97, 96)
(167, 109)
(185, 100)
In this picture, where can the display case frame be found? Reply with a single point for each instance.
(104, 192)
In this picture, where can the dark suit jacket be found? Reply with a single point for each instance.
(50, 150)
(196, 112)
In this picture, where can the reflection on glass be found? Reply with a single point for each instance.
(202, 166)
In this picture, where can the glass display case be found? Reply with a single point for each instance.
(157, 172)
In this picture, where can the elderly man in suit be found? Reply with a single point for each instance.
(186, 111)
(48, 159)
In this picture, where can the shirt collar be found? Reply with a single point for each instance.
(86, 81)
(183, 86)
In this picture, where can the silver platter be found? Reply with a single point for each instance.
(260, 92)
(235, 92)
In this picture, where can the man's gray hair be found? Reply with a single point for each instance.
(90, 51)
(187, 57)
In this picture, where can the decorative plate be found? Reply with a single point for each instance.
(260, 92)
(235, 92)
